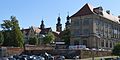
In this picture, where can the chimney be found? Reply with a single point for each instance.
(100, 8)
(108, 11)
(119, 16)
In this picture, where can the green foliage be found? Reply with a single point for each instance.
(116, 50)
(66, 36)
(33, 40)
(39, 41)
(6, 25)
(7, 38)
(49, 38)
(1, 38)
(17, 34)
(12, 33)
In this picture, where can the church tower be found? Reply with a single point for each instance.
(42, 26)
(67, 24)
(58, 25)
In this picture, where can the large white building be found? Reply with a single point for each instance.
(94, 28)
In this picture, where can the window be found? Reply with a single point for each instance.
(86, 32)
(110, 44)
(85, 42)
(99, 23)
(115, 33)
(102, 43)
(76, 23)
(110, 30)
(106, 30)
(99, 27)
(106, 43)
(86, 21)
(76, 32)
(76, 42)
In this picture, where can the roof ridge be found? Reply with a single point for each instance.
(90, 6)
(85, 10)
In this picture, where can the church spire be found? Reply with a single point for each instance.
(59, 25)
(42, 26)
(67, 24)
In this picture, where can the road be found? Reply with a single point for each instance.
(96, 58)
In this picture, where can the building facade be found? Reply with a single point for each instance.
(41, 31)
(94, 28)
(38, 32)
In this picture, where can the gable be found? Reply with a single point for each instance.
(85, 10)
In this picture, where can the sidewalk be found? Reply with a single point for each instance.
(96, 58)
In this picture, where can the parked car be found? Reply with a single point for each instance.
(59, 58)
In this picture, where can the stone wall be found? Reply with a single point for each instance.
(89, 53)
(71, 53)
(67, 53)
(8, 51)
(14, 51)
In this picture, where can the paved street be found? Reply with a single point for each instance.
(96, 58)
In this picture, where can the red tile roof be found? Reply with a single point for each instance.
(37, 30)
(85, 10)
(25, 30)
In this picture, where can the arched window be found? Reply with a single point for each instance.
(102, 43)
(110, 44)
(106, 43)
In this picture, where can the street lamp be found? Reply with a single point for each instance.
(92, 51)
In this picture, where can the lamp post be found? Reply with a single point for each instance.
(93, 55)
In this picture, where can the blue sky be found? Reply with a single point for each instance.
(31, 12)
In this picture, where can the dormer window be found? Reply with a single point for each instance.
(108, 11)
(98, 10)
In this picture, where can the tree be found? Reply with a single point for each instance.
(1, 38)
(12, 33)
(66, 36)
(49, 38)
(116, 49)
(7, 38)
(17, 34)
(33, 40)
(6, 25)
